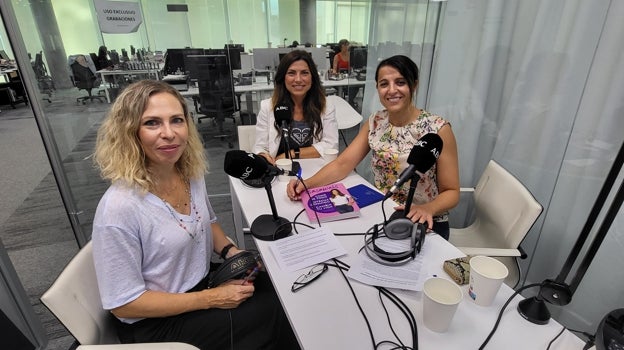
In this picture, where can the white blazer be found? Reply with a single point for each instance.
(268, 138)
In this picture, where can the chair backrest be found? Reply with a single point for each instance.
(74, 299)
(504, 206)
(246, 137)
(216, 87)
(82, 74)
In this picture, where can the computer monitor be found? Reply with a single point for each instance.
(319, 55)
(114, 57)
(124, 55)
(358, 57)
(232, 54)
(194, 63)
(264, 59)
(174, 59)
(3, 55)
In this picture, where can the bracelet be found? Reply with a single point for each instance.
(225, 250)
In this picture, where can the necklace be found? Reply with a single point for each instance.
(194, 214)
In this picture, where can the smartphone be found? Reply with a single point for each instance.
(251, 275)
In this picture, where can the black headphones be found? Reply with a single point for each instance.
(401, 228)
(233, 268)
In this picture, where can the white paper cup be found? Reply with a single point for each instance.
(284, 164)
(486, 276)
(440, 300)
(330, 154)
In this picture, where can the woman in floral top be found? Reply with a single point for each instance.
(391, 134)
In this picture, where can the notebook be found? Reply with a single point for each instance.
(365, 195)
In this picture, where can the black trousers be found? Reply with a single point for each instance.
(257, 323)
(442, 228)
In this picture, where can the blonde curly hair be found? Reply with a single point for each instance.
(118, 152)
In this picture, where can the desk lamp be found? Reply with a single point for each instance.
(557, 291)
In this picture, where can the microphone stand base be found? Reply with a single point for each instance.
(266, 228)
(534, 310)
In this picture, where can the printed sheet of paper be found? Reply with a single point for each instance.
(410, 276)
(306, 249)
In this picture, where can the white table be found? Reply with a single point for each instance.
(324, 314)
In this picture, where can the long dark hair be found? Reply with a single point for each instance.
(405, 66)
(314, 101)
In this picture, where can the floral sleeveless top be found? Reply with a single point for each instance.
(391, 145)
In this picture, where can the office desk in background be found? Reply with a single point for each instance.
(11, 88)
(324, 314)
(126, 74)
(346, 115)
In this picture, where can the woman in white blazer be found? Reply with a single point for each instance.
(313, 127)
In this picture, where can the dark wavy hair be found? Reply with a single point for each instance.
(314, 101)
(405, 66)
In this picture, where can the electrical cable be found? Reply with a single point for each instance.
(500, 314)
(342, 267)
(555, 338)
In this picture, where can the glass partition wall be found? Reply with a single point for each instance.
(65, 28)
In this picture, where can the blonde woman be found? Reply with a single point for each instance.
(154, 232)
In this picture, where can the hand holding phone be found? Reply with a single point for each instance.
(251, 275)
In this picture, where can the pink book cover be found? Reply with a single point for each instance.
(330, 202)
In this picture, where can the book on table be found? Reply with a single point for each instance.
(329, 203)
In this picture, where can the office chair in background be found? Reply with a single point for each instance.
(216, 98)
(84, 79)
(505, 211)
(74, 299)
(44, 81)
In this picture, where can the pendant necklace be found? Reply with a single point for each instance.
(194, 213)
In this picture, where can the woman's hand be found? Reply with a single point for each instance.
(268, 157)
(419, 213)
(294, 189)
(231, 294)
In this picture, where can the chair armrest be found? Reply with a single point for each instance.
(489, 251)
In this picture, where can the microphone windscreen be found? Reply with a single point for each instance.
(243, 165)
(425, 152)
(282, 113)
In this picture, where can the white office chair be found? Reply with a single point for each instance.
(75, 300)
(246, 137)
(505, 212)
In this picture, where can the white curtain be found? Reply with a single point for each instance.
(539, 86)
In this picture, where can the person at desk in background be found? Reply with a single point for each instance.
(342, 64)
(154, 231)
(391, 134)
(102, 59)
(313, 128)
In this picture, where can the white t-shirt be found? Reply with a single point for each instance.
(139, 244)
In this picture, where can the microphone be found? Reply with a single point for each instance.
(248, 166)
(283, 117)
(422, 157)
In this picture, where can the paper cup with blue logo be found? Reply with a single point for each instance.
(486, 277)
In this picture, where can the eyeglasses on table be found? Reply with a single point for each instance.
(315, 272)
